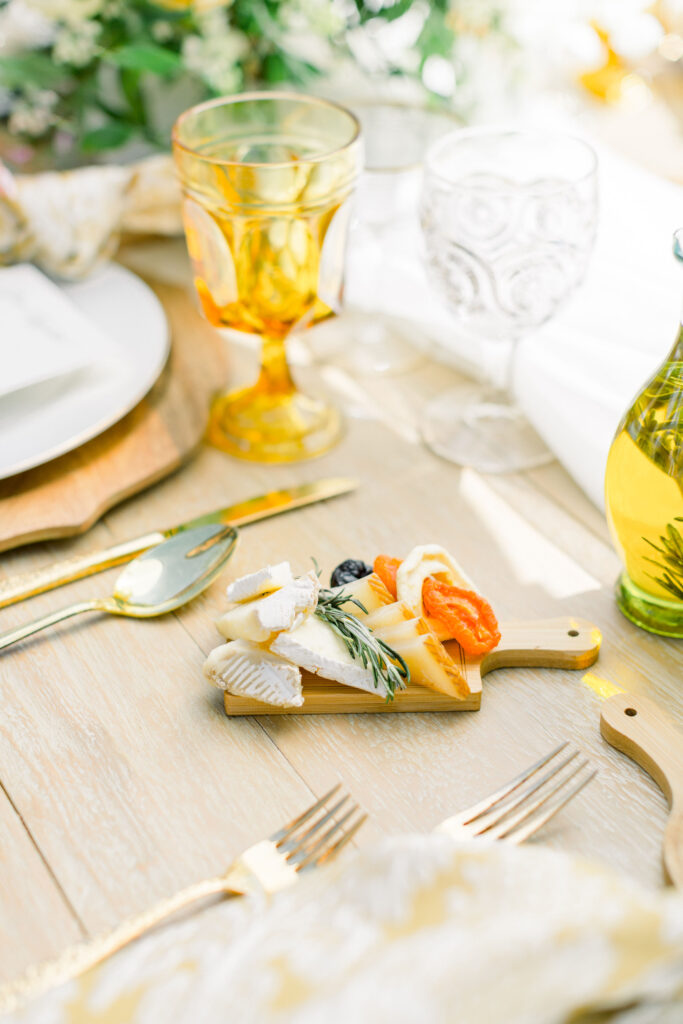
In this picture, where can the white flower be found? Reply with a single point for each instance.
(215, 58)
(162, 31)
(33, 115)
(22, 27)
(76, 45)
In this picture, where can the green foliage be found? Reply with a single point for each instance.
(36, 68)
(89, 86)
(145, 57)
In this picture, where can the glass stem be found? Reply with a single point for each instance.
(497, 365)
(274, 378)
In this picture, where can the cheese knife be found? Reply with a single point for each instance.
(19, 587)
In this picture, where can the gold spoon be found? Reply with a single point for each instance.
(156, 582)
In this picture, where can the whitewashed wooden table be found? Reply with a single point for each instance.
(122, 780)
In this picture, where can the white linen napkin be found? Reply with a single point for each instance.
(576, 376)
(413, 929)
(44, 336)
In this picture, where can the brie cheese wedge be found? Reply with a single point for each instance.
(246, 670)
(288, 607)
(285, 608)
(316, 647)
(256, 584)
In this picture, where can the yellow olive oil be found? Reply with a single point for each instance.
(644, 499)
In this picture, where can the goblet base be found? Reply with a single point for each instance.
(482, 429)
(655, 614)
(264, 427)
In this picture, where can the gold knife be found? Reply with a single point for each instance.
(17, 588)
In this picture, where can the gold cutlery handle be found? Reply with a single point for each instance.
(12, 636)
(83, 957)
(28, 584)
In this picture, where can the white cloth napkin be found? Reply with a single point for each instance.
(414, 929)
(44, 335)
(575, 377)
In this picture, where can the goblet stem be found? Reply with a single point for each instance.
(274, 377)
(498, 363)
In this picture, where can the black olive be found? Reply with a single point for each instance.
(348, 571)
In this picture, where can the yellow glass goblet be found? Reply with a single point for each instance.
(266, 180)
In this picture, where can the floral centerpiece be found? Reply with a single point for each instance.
(82, 77)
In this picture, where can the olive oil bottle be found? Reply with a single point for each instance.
(644, 497)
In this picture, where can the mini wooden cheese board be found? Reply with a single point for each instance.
(566, 643)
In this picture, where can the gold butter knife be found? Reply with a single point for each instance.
(19, 587)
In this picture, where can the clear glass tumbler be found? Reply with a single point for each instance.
(266, 180)
(509, 220)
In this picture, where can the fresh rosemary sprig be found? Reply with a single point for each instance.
(671, 559)
(387, 666)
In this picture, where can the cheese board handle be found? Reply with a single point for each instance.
(548, 643)
(639, 728)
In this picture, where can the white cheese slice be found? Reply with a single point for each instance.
(285, 608)
(290, 605)
(246, 670)
(315, 646)
(256, 584)
(241, 623)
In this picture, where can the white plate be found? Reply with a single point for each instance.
(61, 415)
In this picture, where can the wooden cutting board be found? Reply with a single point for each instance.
(555, 643)
(66, 496)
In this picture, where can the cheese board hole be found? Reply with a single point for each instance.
(631, 712)
(572, 632)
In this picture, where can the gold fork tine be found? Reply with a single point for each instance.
(490, 801)
(302, 818)
(505, 825)
(307, 850)
(552, 807)
(295, 842)
(331, 852)
(503, 806)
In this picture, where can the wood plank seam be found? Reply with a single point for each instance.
(48, 867)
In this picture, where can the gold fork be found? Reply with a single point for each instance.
(267, 866)
(517, 810)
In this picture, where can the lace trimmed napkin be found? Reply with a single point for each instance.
(413, 929)
(68, 222)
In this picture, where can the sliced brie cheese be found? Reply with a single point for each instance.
(246, 670)
(371, 593)
(285, 608)
(288, 607)
(256, 584)
(241, 623)
(316, 647)
(423, 561)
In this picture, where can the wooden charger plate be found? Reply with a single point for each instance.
(555, 643)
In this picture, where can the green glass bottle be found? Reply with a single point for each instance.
(644, 497)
